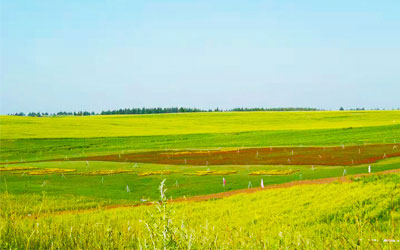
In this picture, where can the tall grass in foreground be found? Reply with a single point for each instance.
(162, 231)
(358, 215)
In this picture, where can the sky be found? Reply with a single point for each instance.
(109, 54)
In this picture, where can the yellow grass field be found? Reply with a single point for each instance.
(12, 127)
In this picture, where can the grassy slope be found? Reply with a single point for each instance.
(318, 129)
(36, 149)
(332, 216)
(191, 123)
(113, 189)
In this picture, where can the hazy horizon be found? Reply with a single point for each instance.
(105, 55)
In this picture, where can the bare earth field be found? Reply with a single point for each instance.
(329, 156)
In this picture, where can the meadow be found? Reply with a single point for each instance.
(33, 138)
(93, 182)
(363, 214)
(14, 127)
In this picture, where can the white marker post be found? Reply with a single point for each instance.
(223, 183)
(369, 169)
(262, 183)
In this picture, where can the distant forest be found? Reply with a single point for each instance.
(141, 111)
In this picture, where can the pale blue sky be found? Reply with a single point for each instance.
(96, 55)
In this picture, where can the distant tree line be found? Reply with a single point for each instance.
(141, 111)
(79, 113)
(39, 114)
(362, 109)
(126, 111)
(274, 109)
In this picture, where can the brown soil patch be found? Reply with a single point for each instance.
(331, 156)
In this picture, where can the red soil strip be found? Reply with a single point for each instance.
(329, 156)
(230, 193)
(326, 156)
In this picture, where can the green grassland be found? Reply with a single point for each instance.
(32, 138)
(111, 189)
(37, 210)
(363, 214)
